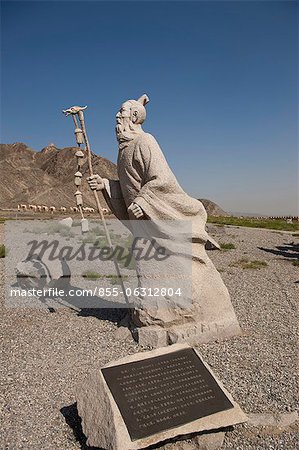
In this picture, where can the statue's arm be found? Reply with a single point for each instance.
(112, 193)
(154, 170)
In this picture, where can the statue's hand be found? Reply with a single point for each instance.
(96, 183)
(136, 210)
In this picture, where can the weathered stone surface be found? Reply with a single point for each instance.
(152, 336)
(200, 333)
(104, 426)
(193, 333)
(210, 441)
(283, 420)
(287, 419)
(147, 188)
(123, 333)
(205, 441)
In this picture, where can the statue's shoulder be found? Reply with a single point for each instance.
(146, 139)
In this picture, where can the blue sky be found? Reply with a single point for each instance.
(221, 77)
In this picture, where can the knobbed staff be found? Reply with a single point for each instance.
(81, 137)
(80, 155)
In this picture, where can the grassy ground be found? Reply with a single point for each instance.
(255, 223)
(227, 246)
(114, 279)
(245, 263)
(221, 220)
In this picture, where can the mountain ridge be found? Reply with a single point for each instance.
(46, 177)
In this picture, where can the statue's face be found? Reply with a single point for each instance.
(123, 120)
(128, 123)
(124, 114)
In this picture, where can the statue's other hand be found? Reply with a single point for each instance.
(136, 210)
(96, 183)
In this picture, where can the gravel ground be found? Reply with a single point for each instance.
(45, 355)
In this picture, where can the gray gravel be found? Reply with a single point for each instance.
(45, 355)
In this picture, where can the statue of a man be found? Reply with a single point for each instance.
(147, 189)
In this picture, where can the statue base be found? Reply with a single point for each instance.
(210, 317)
(196, 333)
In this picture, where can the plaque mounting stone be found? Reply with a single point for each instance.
(164, 392)
(152, 396)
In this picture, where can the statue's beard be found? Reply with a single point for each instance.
(126, 130)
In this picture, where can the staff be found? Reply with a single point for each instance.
(81, 132)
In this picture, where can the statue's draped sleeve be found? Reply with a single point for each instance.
(114, 199)
(157, 190)
(160, 195)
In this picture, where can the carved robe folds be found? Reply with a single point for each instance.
(146, 179)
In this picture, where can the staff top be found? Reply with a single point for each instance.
(73, 110)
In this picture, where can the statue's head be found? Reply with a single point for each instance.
(130, 117)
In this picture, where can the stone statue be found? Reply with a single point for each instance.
(147, 189)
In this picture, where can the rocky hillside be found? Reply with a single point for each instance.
(212, 208)
(45, 177)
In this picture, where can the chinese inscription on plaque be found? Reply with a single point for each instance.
(164, 392)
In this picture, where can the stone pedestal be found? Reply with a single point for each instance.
(104, 424)
(192, 333)
(210, 317)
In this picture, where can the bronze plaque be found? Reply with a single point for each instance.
(164, 392)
